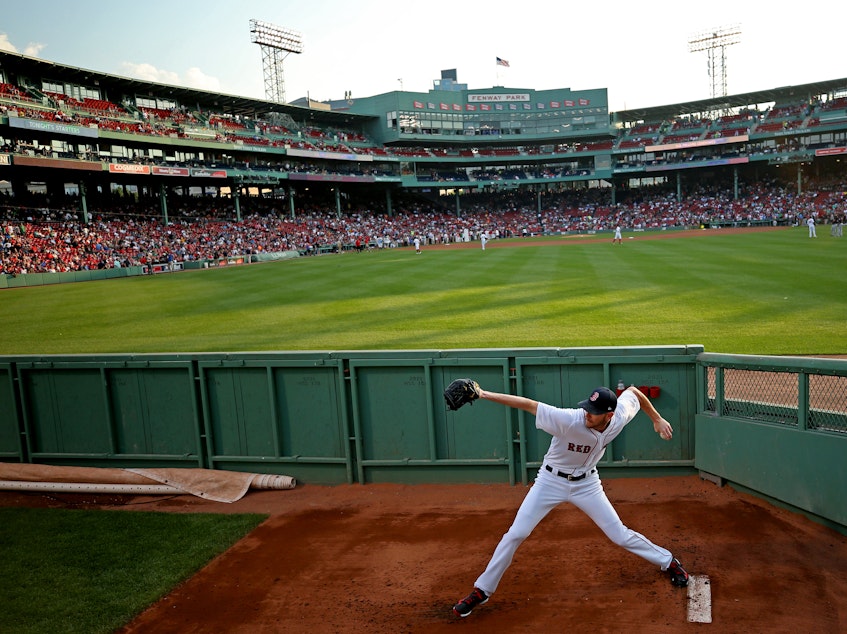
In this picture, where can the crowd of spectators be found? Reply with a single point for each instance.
(130, 233)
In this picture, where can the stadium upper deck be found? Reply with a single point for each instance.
(62, 124)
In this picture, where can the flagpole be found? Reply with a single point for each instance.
(500, 62)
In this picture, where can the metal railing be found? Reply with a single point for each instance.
(800, 392)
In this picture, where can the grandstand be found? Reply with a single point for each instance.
(99, 171)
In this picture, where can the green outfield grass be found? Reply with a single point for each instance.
(92, 571)
(775, 292)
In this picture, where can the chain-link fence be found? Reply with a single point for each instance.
(828, 402)
(797, 392)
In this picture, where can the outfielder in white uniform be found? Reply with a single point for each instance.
(569, 474)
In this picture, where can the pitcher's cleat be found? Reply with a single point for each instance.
(464, 607)
(677, 573)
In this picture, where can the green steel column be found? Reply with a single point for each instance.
(291, 202)
(338, 203)
(388, 203)
(84, 200)
(678, 187)
(163, 202)
(539, 216)
(236, 197)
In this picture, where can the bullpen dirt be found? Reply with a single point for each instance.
(385, 558)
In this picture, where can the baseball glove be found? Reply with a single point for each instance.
(459, 392)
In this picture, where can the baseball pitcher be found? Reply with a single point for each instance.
(568, 474)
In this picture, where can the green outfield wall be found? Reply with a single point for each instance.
(774, 425)
(43, 279)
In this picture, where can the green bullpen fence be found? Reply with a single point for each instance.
(774, 425)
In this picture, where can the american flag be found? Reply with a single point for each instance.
(502, 62)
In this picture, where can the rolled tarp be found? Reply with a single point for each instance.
(210, 484)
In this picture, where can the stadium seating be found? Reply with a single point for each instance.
(38, 239)
(51, 237)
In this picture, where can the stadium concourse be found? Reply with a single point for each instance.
(43, 238)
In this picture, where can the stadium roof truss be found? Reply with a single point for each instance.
(30, 68)
(777, 95)
(25, 70)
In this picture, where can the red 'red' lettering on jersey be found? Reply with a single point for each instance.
(578, 448)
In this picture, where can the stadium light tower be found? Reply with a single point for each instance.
(276, 43)
(713, 42)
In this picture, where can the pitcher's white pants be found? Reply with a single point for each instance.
(588, 495)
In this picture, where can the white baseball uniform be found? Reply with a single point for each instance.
(574, 451)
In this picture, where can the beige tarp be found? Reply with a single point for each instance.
(210, 484)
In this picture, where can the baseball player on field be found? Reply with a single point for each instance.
(569, 474)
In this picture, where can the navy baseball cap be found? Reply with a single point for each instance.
(601, 401)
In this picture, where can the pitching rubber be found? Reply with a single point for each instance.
(699, 599)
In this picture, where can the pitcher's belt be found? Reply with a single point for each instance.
(567, 476)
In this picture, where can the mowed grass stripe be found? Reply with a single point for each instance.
(758, 293)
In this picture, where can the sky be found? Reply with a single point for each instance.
(638, 51)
